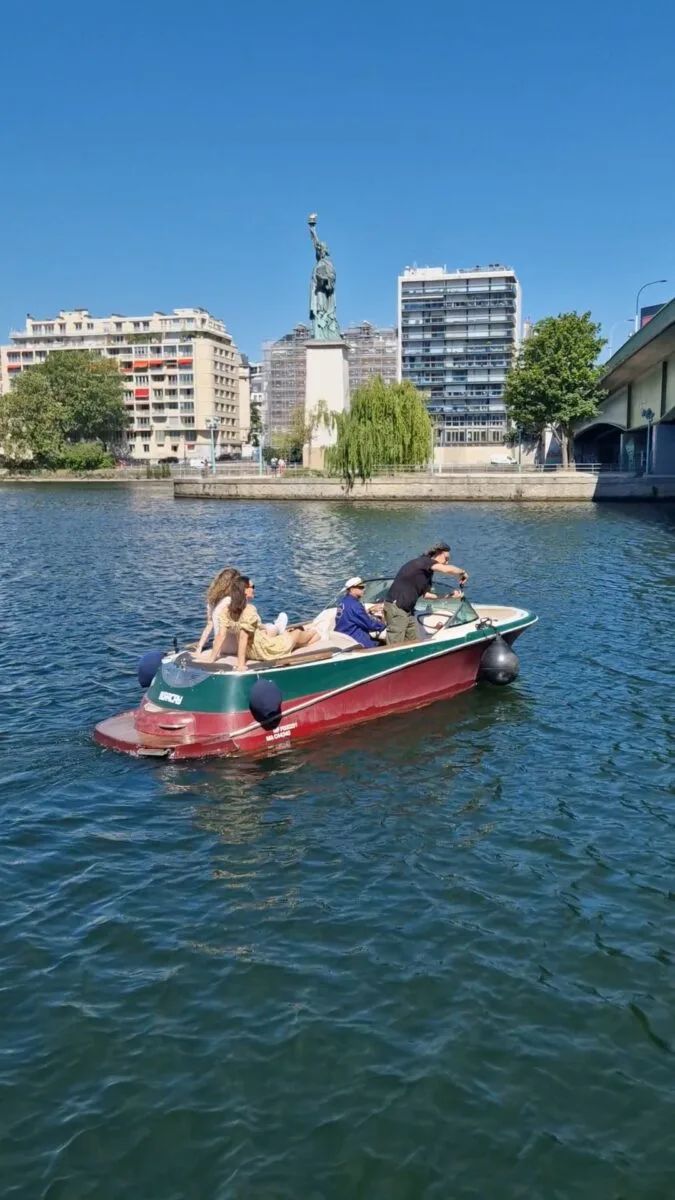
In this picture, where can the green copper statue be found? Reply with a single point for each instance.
(322, 312)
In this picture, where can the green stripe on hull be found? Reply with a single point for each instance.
(228, 693)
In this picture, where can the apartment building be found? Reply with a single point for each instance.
(458, 333)
(259, 390)
(284, 379)
(244, 376)
(372, 351)
(180, 372)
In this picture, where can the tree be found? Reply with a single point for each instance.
(289, 445)
(33, 423)
(554, 381)
(72, 396)
(387, 426)
(255, 430)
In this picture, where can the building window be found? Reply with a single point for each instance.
(188, 377)
(90, 324)
(146, 447)
(141, 379)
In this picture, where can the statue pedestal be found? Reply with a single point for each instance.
(327, 380)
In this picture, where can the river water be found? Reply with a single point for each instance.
(431, 957)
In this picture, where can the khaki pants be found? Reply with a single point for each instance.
(401, 626)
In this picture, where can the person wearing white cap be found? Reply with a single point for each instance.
(352, 618)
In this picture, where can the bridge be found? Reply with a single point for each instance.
(634, 427)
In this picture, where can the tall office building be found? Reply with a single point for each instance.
(458, 334)
(180, 372)
(372, 351)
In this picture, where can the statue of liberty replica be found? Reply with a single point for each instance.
(322, 312)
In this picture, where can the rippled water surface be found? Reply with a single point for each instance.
(431, 957)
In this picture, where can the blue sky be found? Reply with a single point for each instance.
(163, 155)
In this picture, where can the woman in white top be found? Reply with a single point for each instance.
(219, 598)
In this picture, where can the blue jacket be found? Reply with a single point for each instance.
(352, 618)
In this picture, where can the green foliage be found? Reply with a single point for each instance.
(161, 471)
(289, 445)
(387, 426)
(555, 378)
(255, 431)
(32, 423)
(72, 396)
(85, 456)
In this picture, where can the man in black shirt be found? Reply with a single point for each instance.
(415, 579)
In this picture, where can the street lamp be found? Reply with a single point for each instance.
(652, 283)
(628, 320)
(213, 423)
(649, 417)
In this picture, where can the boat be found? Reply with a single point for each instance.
(193, 709)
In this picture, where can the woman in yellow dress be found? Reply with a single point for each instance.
(254, 640)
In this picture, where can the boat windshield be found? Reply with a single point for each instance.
(460, 611)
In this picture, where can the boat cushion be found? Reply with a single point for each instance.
(334, 641)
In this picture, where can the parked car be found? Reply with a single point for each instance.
(503, 460)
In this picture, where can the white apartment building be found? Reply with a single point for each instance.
(180, 373)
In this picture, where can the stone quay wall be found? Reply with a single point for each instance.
(537, 487)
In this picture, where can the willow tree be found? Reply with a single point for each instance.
(387, 426)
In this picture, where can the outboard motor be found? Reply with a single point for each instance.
(148, 666)
(264, 702)
(499, 663)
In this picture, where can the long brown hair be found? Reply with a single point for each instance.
(238, 600)
(220, 585)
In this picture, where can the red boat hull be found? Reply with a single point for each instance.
(150, 731)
